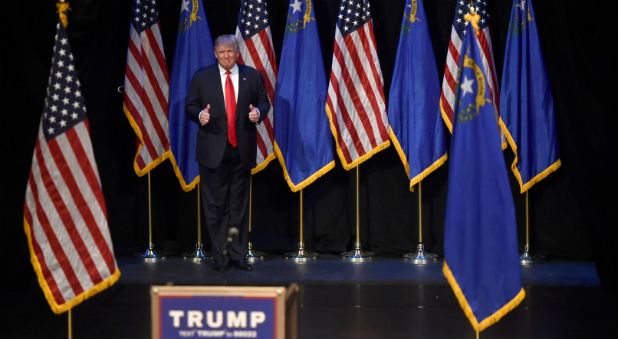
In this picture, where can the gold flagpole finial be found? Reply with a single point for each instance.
(62, 8)
(473, 18)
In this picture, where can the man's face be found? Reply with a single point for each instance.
(226, 55)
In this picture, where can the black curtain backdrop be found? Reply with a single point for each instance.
(572, 212)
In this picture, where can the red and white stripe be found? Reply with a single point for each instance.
(258, 52)
(451, 69)
(146, 90)
(355, 103)
(66, 219)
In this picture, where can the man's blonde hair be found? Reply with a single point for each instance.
(226, 40)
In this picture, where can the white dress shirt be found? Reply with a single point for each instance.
(233, 76)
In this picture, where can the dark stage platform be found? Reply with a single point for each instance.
(381, 298)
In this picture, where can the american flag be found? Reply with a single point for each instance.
(355, 104)
(65, 218)
(447, 97)
(146, 87)
(256, 50)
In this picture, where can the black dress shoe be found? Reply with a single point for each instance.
(242, 264)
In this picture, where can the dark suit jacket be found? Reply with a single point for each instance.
(211, 138)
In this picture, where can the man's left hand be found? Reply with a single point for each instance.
(254, 114)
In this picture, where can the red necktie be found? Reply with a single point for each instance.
(230, 107)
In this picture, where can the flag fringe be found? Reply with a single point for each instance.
(181, 179)
(364, 158)
(447, 121)
(527, 185)
(361, 159)
(400, 152)
(428, 171)
(308, 181)
(61, 308)
(142, 171)
(419, 177)
(263, 164)
(463, 302)
(151, 166)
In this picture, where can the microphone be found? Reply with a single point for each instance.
(231, 234)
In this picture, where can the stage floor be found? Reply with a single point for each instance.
(381, 298)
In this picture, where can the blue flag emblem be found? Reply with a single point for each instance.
(480, 236)
(416, 128)
(303, 142)
(527, 101)
(194, 50)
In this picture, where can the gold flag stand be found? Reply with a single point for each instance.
(301, 255)
(150, 256)
(526, 257)
(420, 257)
(69, 324)
(252, 256)
(198, 255)
(357, 255)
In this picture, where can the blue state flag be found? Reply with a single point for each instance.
(303, 142)
(481, 262)
(194, 50)
(416, 128)
(527, 103)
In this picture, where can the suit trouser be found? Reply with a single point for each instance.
(225, 196)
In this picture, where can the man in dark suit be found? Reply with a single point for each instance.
(219, 94)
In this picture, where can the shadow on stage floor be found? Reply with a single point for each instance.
(381, 298)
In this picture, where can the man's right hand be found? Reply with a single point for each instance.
(205, 115)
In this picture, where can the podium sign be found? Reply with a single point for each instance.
(219, 311)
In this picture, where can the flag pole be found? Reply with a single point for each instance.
(150, 256)
(526, 258)
(301, 255)
(420, 257)
(198, 255)
(69, 324)
(357, 255)
(252, 255)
